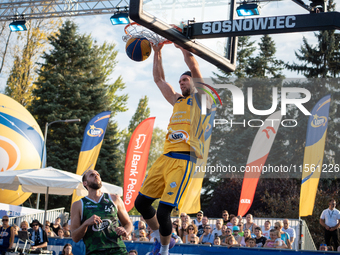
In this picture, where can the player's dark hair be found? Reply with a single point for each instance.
(187, 73)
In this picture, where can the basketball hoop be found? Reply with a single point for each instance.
(135, 30)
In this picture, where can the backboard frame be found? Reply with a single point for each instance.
(226, 63)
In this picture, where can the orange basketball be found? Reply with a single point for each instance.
(138, 49)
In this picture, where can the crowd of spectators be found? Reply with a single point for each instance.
(230, 230)
(37, 233)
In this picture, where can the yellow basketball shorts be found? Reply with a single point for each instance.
(169, 178)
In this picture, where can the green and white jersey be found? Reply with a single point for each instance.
(101, 236)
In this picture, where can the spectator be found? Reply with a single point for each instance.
(183, 229)
(135, 234)
(56, 226)
(49, 232)
(67, 234)
(207, 237)
(133, 252)
(290, 231)
(61, 233)
(224, 235)
(177, 223)
(275, 240)
(250, 223)
(266, 229)
(66, 227)
(323, 247)
(284, 236)
(240, 225)
(237, 237)
(217, 241)
(188, 219)
(194, 240)
(246, 235)
(183, 216)
(251, 243)
(39, 236)
(234, 221)
(198, 220)
(329, 219)
(218, 229)
(200, 230)
(16, 229)
(259, 239)
(24, 226)
(6, 235)
(231, 242)
(191, 231)
(142, 236)
(67, 250)
(225, 216)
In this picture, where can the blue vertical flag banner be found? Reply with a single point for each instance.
(314, 151)
(92, 142)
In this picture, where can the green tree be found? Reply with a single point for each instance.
(74, 82)
(23, 74)
(321, 60)
(265, 64)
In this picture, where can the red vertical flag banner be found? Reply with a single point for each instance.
(257, 158)
(136, 160)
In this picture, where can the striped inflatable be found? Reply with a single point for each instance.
(21, 144)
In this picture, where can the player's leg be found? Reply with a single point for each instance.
(144, 206)
(165, 227)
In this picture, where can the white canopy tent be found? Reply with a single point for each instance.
(49, 180)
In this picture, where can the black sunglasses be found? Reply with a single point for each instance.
(4, 219)
(192, 241)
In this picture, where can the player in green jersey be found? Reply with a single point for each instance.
(95, 219)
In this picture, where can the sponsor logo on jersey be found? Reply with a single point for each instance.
(173, 185)
(170, 193)
(91, 206)
(101, 226)
(178, 136)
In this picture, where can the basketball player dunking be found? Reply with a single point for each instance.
(170, 175)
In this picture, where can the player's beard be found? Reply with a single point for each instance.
(186, 92)
(95, 186)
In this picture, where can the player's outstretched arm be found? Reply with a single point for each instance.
(193, 66)
(78, 230)
(158, 75)
(123, 216)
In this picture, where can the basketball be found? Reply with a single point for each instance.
(138, 49)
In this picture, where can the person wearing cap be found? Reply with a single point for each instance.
(6, 235)
(198, 220)
(38, 235)
(170, 176)
(237, 237)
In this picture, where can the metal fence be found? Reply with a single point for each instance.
(51, 215)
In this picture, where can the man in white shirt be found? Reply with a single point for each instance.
(218, 230)
(198, 220)
(290, 231)
(266, 229)
(330, 220)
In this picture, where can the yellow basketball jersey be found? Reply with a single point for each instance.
(186, 127)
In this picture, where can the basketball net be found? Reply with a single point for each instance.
(134, 30)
